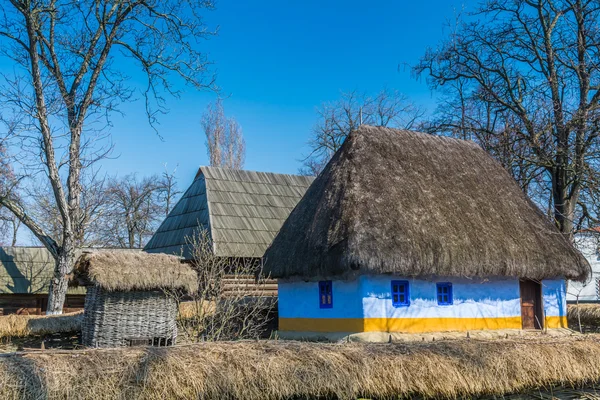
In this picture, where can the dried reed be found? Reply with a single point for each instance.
(285, 370)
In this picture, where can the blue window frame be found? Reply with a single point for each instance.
(444, 293)
(400, 294)
(325, 294)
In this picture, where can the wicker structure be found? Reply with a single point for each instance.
(127, 301)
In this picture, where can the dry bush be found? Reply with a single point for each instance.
(232, 301)
(249, 370)
(25, 325)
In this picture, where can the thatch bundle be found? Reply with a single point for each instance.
(413, 204)
(134, 271)
(292, 370)
(587, 314)
(25, 325)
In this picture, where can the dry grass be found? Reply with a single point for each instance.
(25, 325)
(589, 314)
(189, 309)
(287, 370)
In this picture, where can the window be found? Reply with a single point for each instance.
(444, 293)
(325, 294)
(400, 294)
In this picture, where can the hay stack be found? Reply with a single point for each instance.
(293, 370)
(24, 325)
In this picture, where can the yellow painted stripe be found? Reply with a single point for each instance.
(409, 325)
(556, 322)
(439, 324)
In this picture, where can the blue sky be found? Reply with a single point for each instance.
(278, 61)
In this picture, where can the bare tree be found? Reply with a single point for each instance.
(466, 114)
(42, 207)
(9, 228)
(232, 302)
(132, 211)
(68, 59)
(537, 64)
(168, 191)
(9, 224)
(224, 139)
(338, 119)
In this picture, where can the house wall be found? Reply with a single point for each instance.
(365, 305)
(477, 304)
(554, 295)
(588, 244)
(299, 310)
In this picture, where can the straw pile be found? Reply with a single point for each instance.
(588, 313)
(25, 325)
(286, 370)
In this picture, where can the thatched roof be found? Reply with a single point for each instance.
(129, 271)
(242, 210)
(417, 205)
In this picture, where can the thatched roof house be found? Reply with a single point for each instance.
(128, 300)
(242, 210)
(408, 203)
(416, 208)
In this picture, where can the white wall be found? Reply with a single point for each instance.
(473, 298)
(587, 243)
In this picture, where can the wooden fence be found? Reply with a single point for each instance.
(248, 285)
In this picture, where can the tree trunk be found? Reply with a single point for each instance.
(15, 226)
(59, 282)
(563, 205)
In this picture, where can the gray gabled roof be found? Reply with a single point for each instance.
(243, 210)
(28, 270)
(25, 270)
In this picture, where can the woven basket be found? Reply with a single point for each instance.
(114, 319)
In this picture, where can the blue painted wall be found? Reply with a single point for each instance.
(554, 294)
(370, 297)
(301, 300)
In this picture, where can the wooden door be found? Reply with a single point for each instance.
(531, 304)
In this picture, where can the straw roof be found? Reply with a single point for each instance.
(134, 271)
(242, 210)
(418, 205)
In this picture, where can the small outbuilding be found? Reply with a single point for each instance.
(25, 275)
(410, 232)
(130, 297)
(587, 242)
